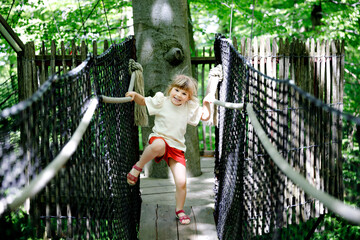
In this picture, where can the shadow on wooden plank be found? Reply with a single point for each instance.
(205, 223)
(166, 224)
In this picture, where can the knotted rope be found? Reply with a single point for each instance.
(141, 118)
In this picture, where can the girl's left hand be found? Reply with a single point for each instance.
(209, 99)
(130, 94)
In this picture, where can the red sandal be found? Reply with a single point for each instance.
(181, 219)
(132, 177)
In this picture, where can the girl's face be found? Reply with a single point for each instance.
(179, 96)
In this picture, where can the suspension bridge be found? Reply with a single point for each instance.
(65, 153)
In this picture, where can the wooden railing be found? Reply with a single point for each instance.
(35, 68)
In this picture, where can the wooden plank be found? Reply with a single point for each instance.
(52, 58)
(34, 80)
(297, 129)
(63, 57)
(211, 150)
(282, 123)
(287, 124)
(249, 180)
(275, 90)
(269, 120)
(327, 126)
(340, 108)
(166, 223)
(42, 68)
(73, 54)
(334, 135)
(235, 44)
(243, 46)
(319, 157)
(302, 114)
(316, 132)
(335, 100)
(202, 60)
(307, 153)
(106, 45)
(203, 95)
(205, 223)
(95, 50)
(148, 221)
(262, 99)
(83, 51)
(158, 190)
(292, 132)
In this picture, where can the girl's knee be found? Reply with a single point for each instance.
(158, 146)
(181, 184)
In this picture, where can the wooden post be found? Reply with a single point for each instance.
(334, 135)
(282, 107)
(106, 45)
(262, 99)
(243, 46)
(254, 149)
(21, 70)
(42, 70)
(203, 95)
(340, 107)
(327, 140)
(52, 58)
(73, 54)
(95, 50)
(210, 127)
(63, 61)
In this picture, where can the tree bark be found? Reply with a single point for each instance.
(162, 43)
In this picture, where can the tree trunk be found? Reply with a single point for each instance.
(162, 42)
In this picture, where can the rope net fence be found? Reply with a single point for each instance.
(89, 197)
(254, 198)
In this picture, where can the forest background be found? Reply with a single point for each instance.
(89, 20)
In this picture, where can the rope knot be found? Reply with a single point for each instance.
(134, 66)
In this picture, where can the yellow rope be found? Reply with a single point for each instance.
(141, 117)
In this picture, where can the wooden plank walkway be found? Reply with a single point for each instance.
(158, 220)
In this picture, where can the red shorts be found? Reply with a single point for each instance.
(170, 152)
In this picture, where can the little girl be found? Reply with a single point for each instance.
(172, 114)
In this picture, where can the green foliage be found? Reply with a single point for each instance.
(15, 225)
(351, 175)
(46, 20)
(337, 228)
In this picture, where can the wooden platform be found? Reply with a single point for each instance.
(158, 220)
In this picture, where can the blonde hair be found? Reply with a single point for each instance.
(185, 83)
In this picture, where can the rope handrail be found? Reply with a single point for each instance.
(56, 165)
(229, 104)
(349, 213)
(107, 99)
(53, 168)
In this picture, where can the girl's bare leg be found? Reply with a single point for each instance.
(155, 149)
(179, 172)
